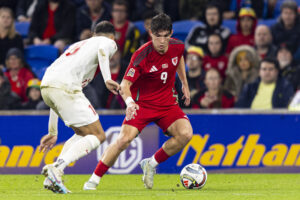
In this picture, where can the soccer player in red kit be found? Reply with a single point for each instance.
(148, 91)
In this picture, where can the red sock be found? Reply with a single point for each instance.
(101, 169)
(161, 156)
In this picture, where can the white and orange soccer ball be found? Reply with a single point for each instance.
(193, 176)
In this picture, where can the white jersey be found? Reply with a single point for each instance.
(78, 65)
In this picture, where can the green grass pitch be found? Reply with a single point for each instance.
(118, 187)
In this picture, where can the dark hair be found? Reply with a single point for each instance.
(121, 3)
(216, 34)
(104, 27)
(161, 22)
(272, 61)
(289, 4)
(149, 14)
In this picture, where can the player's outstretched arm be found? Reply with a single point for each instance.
(185, 87)
(49, 140)
(113, 86)
(132, 107)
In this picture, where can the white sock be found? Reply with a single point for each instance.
(94, 178)
(78, 149)
(153, 162)
(68, 144)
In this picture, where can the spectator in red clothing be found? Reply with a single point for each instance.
(263, 42)
(242, 68)
(214, 96)
(8, 99)
(127, 35)
(18, 73)
(245, 30)
(53, 22)
(215, 58)
(9, 38)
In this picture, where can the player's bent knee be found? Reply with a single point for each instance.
(123, 143)
(186, 135)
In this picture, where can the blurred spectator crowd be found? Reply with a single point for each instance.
(239, 53)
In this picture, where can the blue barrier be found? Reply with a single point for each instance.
(221, 142)
(235, 143)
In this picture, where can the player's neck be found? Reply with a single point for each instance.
(160, 51)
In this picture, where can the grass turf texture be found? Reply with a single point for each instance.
(117, 187)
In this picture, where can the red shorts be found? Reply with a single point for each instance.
(163, 118)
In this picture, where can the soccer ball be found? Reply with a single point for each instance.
(193, 176)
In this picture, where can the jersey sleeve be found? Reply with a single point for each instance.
(106, 50)
(181, 50)
(133, 71)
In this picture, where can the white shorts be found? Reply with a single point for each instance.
(73, 108)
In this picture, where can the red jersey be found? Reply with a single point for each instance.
(239, 39)
(153, 75)
(219, 63)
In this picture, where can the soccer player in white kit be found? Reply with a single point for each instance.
(61, 89)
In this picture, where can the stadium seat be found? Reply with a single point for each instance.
(140, 26)
(267, 22)
(231, 24)
(40, 57)
(22, 28)
(182, 28)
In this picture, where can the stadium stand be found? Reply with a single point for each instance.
(182, 28)
(40, 57)
(140, 26)
(22, 28)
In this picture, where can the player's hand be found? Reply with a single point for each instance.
(113, 86)
(47, 142)
(131, 111)
(186, 95)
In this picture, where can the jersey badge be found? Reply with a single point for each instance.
(221, 65)
(175, 60)
(153, 69)
(164, 66)
(131, 72)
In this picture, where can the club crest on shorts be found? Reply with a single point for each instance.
(131, 72)
(175, 60)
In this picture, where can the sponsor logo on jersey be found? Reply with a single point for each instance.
(153, 69)
(164, 66)
(131, 72)
(129, 158)
(175, 61)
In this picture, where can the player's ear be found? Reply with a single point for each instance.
(150, 33)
